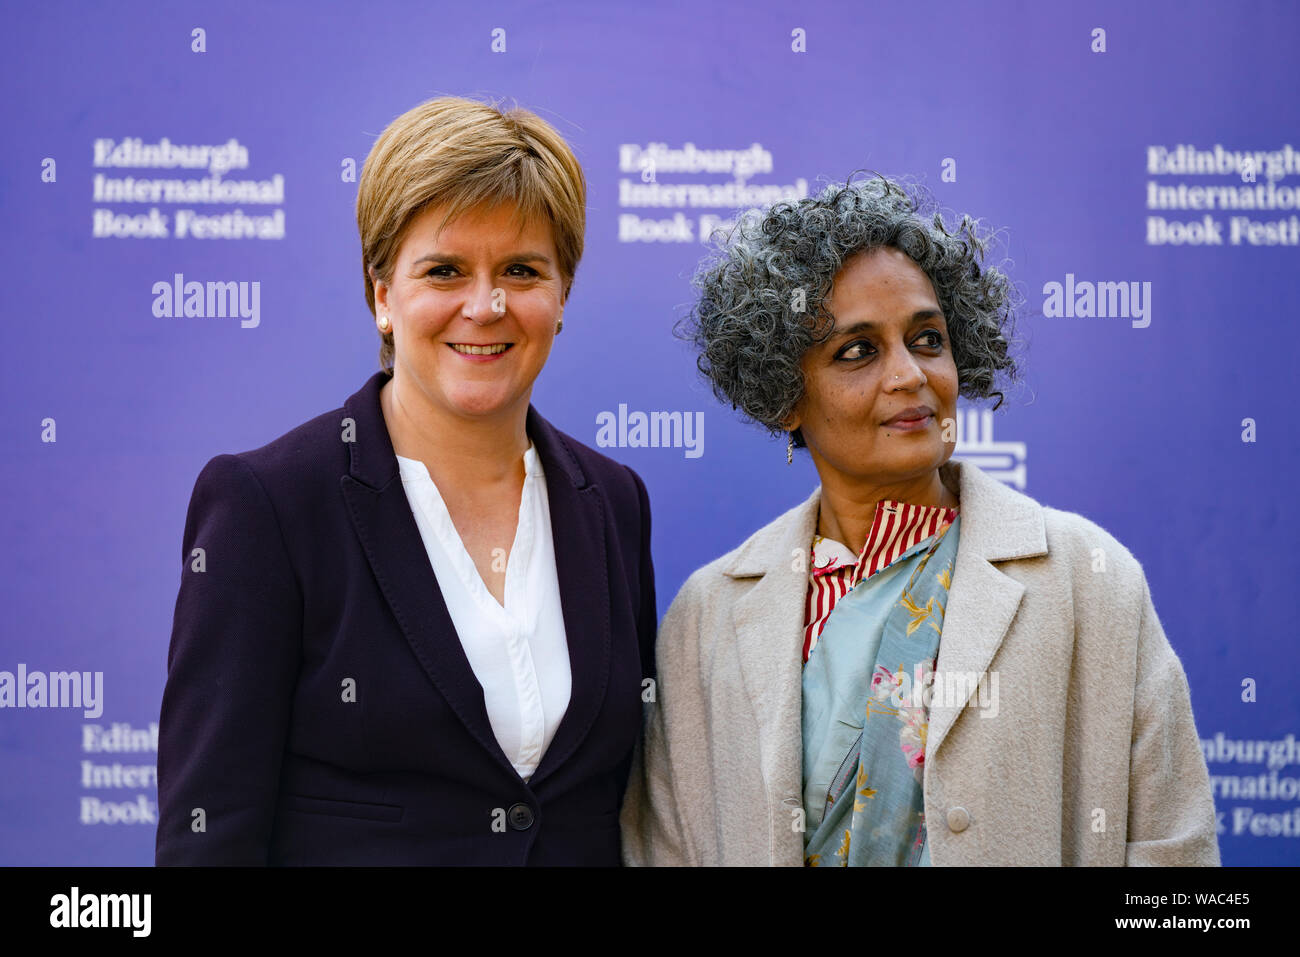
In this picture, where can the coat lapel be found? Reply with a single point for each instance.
(997, 524)
(768, 621)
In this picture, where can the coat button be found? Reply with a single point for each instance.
(520, 817)
(958, 818)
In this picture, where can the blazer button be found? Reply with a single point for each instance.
(520, 817)
(958, 819)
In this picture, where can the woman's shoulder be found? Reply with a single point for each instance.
(303, 449)
(294, 470)
(1005, 520)
(1073, 536)
(782, 545)
(580, 462)
(1102, 573)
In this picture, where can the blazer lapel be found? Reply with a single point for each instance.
(768, 621)
(997, 524)
(578, 531)
(381, 515)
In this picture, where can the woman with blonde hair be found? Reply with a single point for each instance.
(421, 622)
(918, 664)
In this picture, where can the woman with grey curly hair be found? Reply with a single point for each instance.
(859, 683)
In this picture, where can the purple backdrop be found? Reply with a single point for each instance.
(1046, 123)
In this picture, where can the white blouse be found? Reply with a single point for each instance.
(519, 653)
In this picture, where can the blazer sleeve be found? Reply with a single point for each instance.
(648, 611)
(1171, 818)
(667, 760)
(232, 667)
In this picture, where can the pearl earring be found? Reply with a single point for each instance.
(383, 323)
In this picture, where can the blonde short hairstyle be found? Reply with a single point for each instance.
(461, 152)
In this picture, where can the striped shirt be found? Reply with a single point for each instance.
(897, 527)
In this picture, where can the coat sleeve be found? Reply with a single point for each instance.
(1171, 818)
(232, 667)
(671, 757)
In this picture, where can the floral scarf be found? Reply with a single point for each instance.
(865, 712)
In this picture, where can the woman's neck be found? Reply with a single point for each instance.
(848, 505)
(470, 455)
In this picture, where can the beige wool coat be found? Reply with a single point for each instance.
(1084, 752)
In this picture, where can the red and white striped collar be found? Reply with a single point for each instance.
(896, 527)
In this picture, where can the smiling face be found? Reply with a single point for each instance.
(473, 310)
(889, 352)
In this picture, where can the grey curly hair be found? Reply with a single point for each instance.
(750, 333)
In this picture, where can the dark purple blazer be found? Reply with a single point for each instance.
(314, 580)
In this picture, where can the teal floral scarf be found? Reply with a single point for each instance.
(866, 711)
